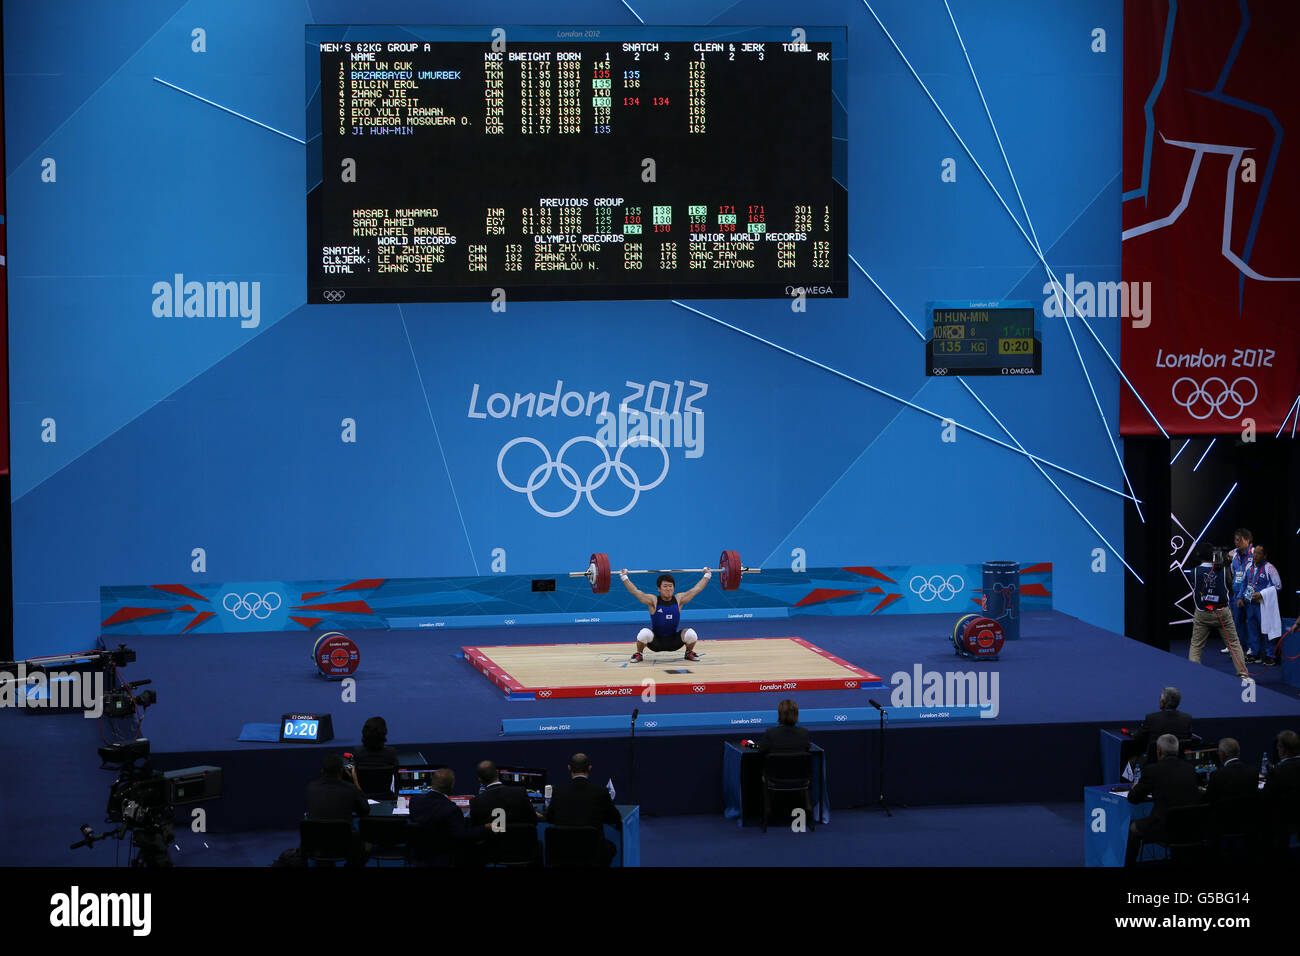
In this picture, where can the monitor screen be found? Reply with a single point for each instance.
(413, 780)
(532, 779)
(1205, 760)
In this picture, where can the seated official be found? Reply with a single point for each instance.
(446, 838)
(375, 754)
(1234, 780)
(1281, 794)
(584, 803)
(786, 737)
(497, 796)
(1170, 782)
(1167, 720)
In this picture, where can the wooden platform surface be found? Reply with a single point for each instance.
(725, 666)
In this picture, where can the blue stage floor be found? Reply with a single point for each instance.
(1058, 684)
(1060, 671)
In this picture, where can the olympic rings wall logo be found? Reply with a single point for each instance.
(570, 478)
(1216, 395)
(937, 586)
(252, 604)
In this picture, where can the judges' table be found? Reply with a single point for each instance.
(1107, 816)
(627, 841)
(742, 785)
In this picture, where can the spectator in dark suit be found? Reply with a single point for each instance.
(376, 760)
(496, 795)
(445, 837)
(1281, 792)
(1167, 720)
(1171, 782)
(786, 737)
(582, 803)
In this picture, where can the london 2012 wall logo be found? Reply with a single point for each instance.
(620, 450)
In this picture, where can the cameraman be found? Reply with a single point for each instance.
(1211, 590)
(333, 797)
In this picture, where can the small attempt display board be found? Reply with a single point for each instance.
(983, 338)
(547, 671)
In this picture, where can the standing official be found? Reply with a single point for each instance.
(1242, 556)
(1260, 627)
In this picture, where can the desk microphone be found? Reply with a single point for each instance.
(875, 705)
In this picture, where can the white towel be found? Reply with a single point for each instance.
(1270, 621)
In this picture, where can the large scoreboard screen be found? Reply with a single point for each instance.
(451, 164)
(983, 338)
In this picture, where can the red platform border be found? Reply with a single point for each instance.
(502, 679)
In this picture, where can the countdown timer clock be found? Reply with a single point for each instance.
(308, 728)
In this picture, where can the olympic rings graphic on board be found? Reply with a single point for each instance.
(251, 604)
(1204, 400)
(570, 478)
(937, 586)
(699, 688)
(334, 295)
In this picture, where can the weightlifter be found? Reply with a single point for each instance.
(665, 631)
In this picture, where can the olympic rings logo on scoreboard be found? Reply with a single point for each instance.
(251, 605)
(937, 586)
(1212, 398)
(568, 475)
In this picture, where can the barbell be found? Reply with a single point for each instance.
(729, 570)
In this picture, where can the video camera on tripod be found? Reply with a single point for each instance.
(143, 801)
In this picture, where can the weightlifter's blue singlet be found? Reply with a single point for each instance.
(666, 620)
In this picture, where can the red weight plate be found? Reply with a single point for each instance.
(336, 655)
(978, 636)
(601, 584)
(730, 564)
